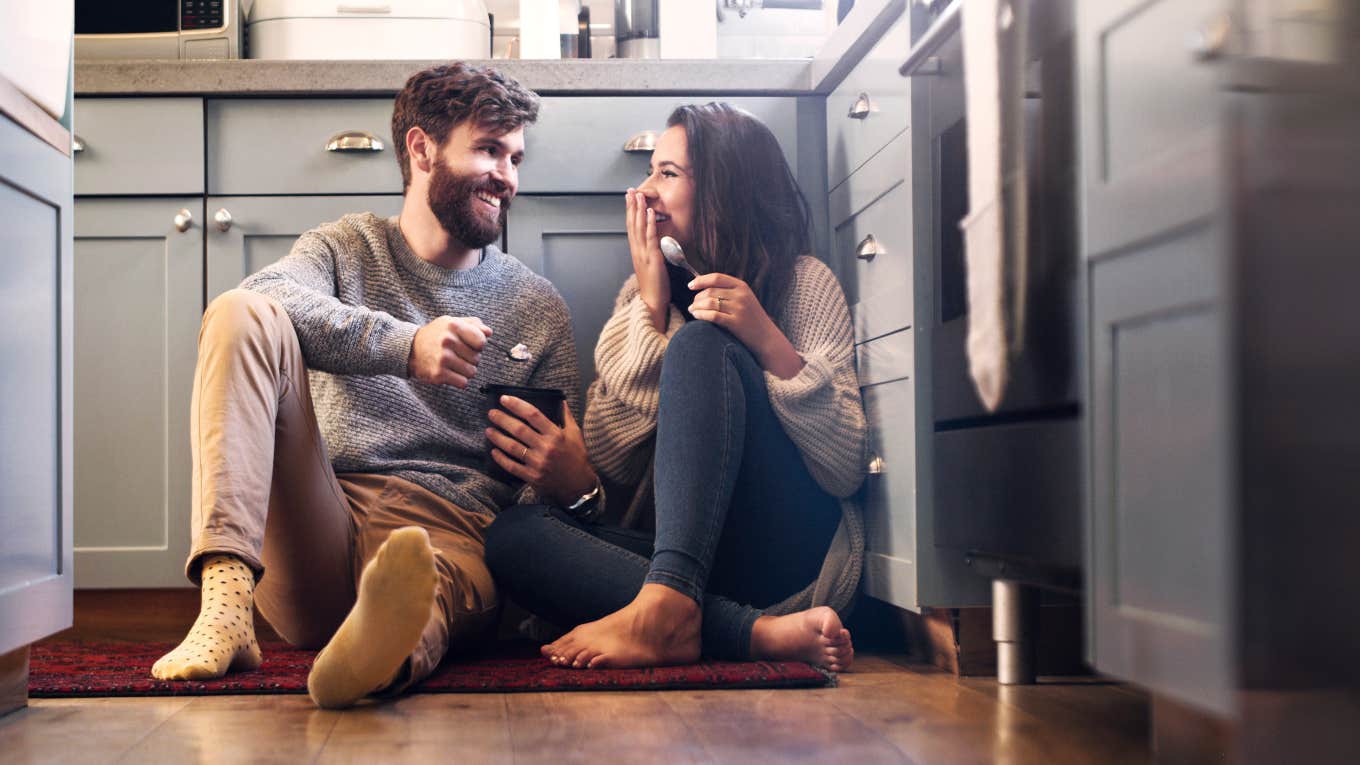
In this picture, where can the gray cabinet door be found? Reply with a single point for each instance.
(35, 389)
(263, 229)
(1160, 541)
(579, 243)
(138, 299)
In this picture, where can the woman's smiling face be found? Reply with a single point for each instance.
(669, 187)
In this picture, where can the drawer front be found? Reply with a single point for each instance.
(139, 146)
(850, 141)
(273, 146)
(888, 358)
(879, 271)
(577, 143)
(891, 560)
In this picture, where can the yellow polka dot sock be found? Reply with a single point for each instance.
(223, 637)
(396, 593)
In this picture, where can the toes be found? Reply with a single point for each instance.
(599, 661)
(574, 657)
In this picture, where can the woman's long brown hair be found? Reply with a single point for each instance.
(750, 219)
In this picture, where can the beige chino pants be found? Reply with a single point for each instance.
(264, 491)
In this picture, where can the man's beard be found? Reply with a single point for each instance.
(451, 200)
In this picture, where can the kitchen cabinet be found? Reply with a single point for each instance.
(245, 234)
(957, 495)
(139, 296)
(1221, 425)
(35, 388)
(882, 214)
(579, 243)
(1160, 602)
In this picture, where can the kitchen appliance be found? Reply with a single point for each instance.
(636, 28)
(369, 29)
(1007, 494)
(168, 29)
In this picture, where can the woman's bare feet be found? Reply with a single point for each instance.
(661, 626)
(815, 636)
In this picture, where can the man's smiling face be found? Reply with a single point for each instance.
(473, 181)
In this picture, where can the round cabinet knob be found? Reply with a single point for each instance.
(1211, 40)
(875, 466)
(868, 248)
(861, 108)
(183, 221)
(223, 220)
(77, 144)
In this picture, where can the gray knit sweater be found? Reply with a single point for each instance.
(356, 294)
(820, 407)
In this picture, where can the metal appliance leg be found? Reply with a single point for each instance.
(1015, 617)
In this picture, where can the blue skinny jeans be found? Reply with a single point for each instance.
(740, 522)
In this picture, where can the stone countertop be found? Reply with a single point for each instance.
(252, 77)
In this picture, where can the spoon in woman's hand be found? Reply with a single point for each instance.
(672, 252)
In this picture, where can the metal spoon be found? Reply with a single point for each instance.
(672, 252)
(520, 352)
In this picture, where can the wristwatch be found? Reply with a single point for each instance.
(588, 502)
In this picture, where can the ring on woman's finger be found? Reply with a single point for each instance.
(524, 454)
(720, 305)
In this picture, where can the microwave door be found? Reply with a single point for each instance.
(143, 29)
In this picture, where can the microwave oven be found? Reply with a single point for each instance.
(162, 29)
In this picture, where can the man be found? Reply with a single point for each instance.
(337, 436)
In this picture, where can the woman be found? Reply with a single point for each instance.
(752, 430)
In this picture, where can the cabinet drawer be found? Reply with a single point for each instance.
(888, 358)
(850, 141)
(139, 146)
(891, 560)
(577, 143)
(879, 287)
(272, 146)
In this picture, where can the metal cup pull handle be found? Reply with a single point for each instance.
(862, 107)
(354, 141)
(642, 142)
(868, 248)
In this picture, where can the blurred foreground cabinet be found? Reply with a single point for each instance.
(1220, 186)
(35, 386)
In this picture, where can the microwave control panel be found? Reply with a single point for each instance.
(200, 14)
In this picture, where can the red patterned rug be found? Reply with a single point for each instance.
(124, 669)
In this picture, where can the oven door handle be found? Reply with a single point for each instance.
(920, 54)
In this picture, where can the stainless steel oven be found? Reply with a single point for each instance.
(1007, 490)
(164, 29)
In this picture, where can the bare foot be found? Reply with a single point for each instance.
(661, 626)
(814, 636)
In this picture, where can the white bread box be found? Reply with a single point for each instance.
(369, 29)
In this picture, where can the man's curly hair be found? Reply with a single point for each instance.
(442, 97)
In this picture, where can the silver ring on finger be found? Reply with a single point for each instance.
(720, 305)
(524, 454)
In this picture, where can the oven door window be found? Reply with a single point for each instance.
(101, 17)
(952, 190)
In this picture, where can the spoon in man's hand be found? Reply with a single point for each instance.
(520, 352)
(672, 252)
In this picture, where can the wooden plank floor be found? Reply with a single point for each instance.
(885, 711)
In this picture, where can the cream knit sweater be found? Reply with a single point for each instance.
(819, 407)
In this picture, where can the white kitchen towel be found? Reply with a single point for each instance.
(995, 227)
